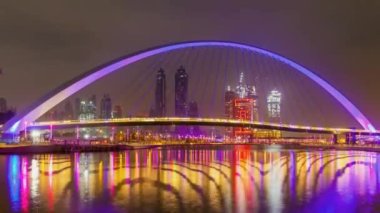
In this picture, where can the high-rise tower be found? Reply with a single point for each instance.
(181, 89)
(241, 104)
(160, 95)
(229, 97)
(274, 106)
(106, 107)
(87, 110)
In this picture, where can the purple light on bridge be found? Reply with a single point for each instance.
(69, 88)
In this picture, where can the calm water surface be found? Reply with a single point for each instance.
(192, 179)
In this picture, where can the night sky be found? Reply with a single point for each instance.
(45, 43)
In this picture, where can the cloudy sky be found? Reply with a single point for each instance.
(45, 43)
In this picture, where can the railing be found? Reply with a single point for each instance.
(197, 121)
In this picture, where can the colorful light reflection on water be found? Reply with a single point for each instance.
(192, 179)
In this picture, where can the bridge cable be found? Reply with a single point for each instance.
(277, 74)
(206, 90)
(191, 73)
(313, 104)
(226, 67)
(135, 82)
(148, 83)
(311, 100)
(203, 81)
(193, 67)
(180, 56)
(253, 76)
(303, 102)
(216, 93)
(276, 82)
(260, 86)
(140, 81)
(137, 103)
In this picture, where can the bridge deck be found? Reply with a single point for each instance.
(194, 122)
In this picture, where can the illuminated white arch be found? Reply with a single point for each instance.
(19, 122)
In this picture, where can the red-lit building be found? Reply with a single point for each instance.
(243, 110)
(241, 104)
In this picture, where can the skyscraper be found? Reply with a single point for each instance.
(274, 106)
(181, 89)
(160, 95)
(241, 104)
(229, 97)
(253, 95)
(245, 91)
(87, 110)
(243, 110)
(106, 107)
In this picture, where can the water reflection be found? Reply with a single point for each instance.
(212, 179)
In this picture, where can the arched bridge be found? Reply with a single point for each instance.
(193, 121)
(40, 107)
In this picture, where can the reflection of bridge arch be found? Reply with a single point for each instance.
(204, 199)
(209, 177)
(340, 172)
(156, 183)
(61, 93)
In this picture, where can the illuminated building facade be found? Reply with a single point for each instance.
(243, 110)
(241, 104)
(274, 106)
(253, 95)
(87, 110)
(249, 92)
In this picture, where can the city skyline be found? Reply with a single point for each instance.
(211, 101)
(91, 109)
